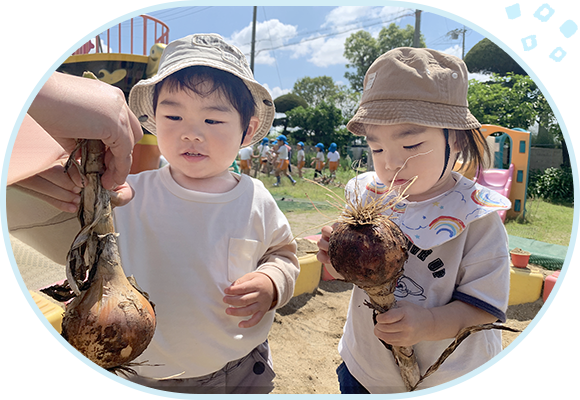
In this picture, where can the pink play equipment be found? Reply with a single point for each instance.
(499, 180)
(549, 283)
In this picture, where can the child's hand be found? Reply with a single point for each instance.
(253, 294)
(404, 325)
(323, 252)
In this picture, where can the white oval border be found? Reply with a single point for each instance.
(427, 8)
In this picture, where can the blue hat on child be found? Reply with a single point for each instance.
(265, 140)
(332, 147)
(320, 146)
(282, 138)
(300, 144)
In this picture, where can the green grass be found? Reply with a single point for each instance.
(545, 222)
(300, 197)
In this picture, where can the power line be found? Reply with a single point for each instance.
(333, 34)
(273, 52)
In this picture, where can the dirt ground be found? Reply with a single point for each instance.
(305, 334)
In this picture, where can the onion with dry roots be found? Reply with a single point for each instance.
(109, 320)
(369, 250)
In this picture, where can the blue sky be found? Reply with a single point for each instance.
(294, 42)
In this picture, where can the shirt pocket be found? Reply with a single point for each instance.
(242, 257)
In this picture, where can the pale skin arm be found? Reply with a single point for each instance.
(408, 323)
(250, 296)
(70, 107)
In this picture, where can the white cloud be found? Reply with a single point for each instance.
(344, 15)
(270, 35)
(276, 92)
(454, 50)
(327, 47)
(329, 52)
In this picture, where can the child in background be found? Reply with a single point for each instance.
(333, 156)
(246, 154)
(319, 160)
(263, 151)
(300, 158)
(282, 161)
(416, 120)
(211, 247)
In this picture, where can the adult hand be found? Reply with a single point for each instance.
(70, 107)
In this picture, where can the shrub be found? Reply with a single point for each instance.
(555, 185)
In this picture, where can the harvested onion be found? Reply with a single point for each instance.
(109, 320)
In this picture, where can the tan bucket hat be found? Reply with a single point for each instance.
(415, 86)
(208, 50)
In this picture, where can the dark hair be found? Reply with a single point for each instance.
(474, 149)
(227, 84)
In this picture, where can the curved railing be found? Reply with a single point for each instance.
(114, 36)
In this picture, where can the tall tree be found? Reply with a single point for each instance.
(361, 49)
(285, 103)
(486, 56)
(315, 90)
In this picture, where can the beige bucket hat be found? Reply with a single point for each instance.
(208, 50)
(415, 86)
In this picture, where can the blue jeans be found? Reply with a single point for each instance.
(348, 383)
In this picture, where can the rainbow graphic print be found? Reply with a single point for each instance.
(483, 199)
(447, 224)
(376, 187)
(399, 208)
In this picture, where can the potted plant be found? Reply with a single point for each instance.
(520, 258)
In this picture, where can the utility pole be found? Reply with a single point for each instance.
(454, 34)
(417, 35)
(253, 39)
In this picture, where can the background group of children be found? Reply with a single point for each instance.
(275, 155)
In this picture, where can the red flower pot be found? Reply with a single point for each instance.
(520, 258)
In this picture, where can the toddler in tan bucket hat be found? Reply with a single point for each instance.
(415, 117)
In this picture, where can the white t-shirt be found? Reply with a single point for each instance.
(263, 150)
(458, 250)
(300, 155)
(320, 156)
(246, 153)
(282, 152)
(184, 248)
(333, 156)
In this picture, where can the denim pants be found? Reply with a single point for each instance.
(348, 383)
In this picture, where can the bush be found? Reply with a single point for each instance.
(555, 185)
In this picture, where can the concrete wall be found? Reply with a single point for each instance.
(542, 158)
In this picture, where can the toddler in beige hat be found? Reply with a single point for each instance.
(415, 117)
(210, 246)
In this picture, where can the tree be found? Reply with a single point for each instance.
(486, 56)
(288, 101)
(318, 124)
(315, 90)
(285, 103)
(514, 101)
(361, 49)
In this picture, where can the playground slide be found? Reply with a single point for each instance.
(499, 180)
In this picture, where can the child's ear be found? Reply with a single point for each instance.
(252, 127)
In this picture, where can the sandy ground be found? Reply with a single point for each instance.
(305, 334)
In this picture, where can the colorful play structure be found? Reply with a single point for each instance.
(507, 169)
